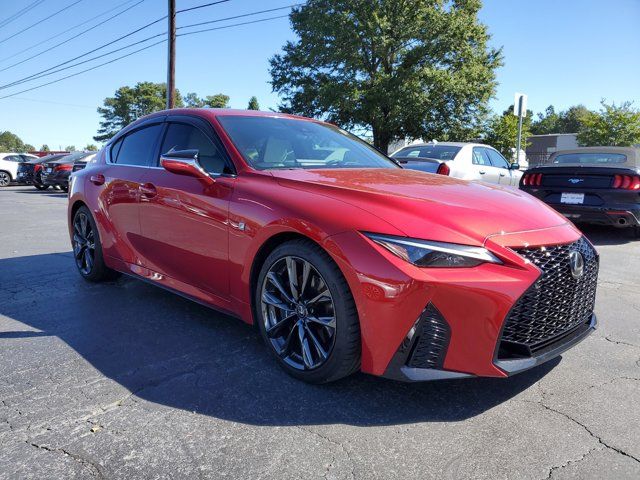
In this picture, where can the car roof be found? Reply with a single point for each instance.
(632, 154)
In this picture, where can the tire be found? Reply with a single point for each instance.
(315, 335)
(40, 186)
(64, 188)
(636, 232)
(5, 179)
(87, 249)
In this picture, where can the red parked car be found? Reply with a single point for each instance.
(344, 260)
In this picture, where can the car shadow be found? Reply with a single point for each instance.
(48, 193)
(604, 235)
(174, 352)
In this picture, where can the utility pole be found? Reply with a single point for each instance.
(519, 109)
(171, 59)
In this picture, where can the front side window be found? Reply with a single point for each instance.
(591, 158)
(136, 148)
(187, 137)
(277, 143)
(496, 159)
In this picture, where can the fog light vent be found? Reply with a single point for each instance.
(430, 346)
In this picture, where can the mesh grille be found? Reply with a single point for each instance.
(431, 345)
(557, 303)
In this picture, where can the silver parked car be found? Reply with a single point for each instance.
(469, 161)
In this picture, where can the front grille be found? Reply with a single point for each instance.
(432, 340)
(556, 306)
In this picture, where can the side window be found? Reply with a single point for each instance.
(181, 136)
(115, 149)
(138, 147)
(480, 157)
(497, 160)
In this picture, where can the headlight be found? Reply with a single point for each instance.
(424, 253)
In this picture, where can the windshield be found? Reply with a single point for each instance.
(591, 158)
(437, 152)
(277, 143)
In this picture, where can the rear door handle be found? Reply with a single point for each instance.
(97, 179)
(502, 174)
(482, 172)
(148, 190)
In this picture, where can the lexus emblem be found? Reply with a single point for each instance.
(576, 262)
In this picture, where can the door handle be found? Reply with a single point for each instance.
(482, 172)
(148, 190)
(502, 174)
(97, 179)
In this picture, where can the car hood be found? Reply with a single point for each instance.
(429, 206)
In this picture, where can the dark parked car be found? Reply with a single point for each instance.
(29, 172)
(598, 185)
(57, 173)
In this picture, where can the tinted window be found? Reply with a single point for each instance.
(138, 147)
(480, 156)
(496, 159)
(592, 158)
(186, 137)
(437, 152)
(275, 142)
(431, 167)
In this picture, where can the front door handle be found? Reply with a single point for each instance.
(502, 174)
(482, 172)
(148, 190)
(97, 179)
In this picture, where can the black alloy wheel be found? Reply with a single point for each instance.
(87, 249)
(306, 313)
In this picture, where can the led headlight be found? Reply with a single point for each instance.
(425, 253)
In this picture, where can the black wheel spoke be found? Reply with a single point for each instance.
(301, 331)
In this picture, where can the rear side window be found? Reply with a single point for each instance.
(181, 136)
(591, 158)
(496, 159)
(480, 156)
(137, 148)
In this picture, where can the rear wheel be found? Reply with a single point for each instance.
(306, 313)
(87, 249)
(5, 179)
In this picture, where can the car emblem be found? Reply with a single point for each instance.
(576, 262)
(576, 180)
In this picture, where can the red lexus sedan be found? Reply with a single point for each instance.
(343, 260)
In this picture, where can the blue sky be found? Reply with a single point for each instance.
(560, 52)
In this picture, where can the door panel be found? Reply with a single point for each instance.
(505, 175)
(184, 222)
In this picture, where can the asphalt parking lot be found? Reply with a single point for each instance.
(125, 380)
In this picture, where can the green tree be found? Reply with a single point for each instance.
(395, 68)
(614, 125)
(219, 100)
(70, 148)
(253, 104)
(90, 147)
(10, 142)
(45, 148)
(567, 121)
(502, 132)
(130, 103)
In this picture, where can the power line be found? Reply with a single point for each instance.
(66, 31)
(200, 6)
(40, 21)
(19, 13)
(39, 74)
(84, 71)
(137, 51)
(46, 74)
(232, 25)
(72, 38)
(240, 16)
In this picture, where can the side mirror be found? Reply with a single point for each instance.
(185, 162)
(515, 166)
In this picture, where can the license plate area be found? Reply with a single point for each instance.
(572, 198)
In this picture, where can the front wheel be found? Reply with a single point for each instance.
(5, 179)
(306, 313)
(87, 249)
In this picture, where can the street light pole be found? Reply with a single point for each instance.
(519, 142)
(171, 60)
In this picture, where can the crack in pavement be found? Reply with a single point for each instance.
(566, 464)
(95, 468)
(333, 442)
(620, 342)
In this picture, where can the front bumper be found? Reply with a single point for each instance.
(392, 295)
